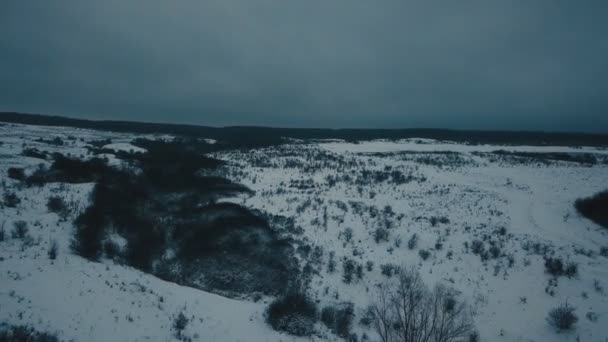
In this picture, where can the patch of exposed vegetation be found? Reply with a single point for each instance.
(594, 208)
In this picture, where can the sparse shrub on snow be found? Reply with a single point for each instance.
(331, 264)
(563, 317)
(494, 251)
(348, 234)
(591, 316)
(180, 322)
(477, 247)
(380, 234)
(11, 199)
(571, 270)
(556, 267)
(53, 248)
(369, 265)
(19, 230)
(413, 241)
(389, 269)
(350, 268)
(597, 286)
(424, 254)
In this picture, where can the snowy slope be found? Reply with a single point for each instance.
(476, 194)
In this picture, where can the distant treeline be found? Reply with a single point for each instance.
(258, 136)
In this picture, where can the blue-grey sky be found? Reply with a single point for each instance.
(478, 64)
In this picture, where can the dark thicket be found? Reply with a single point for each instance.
(11, 199)
(556, 267)
(594, 208)
(260, 136)
(293, 313)
(21, 333)
(16, 173)
(171, 204)
(338, 319)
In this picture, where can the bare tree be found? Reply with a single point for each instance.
(382, 315)
(407, 311)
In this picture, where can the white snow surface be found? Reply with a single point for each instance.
(125, 147)
(87, 301)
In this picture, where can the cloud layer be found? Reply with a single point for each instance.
(481, 64)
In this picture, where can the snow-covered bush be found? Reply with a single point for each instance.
(562, 317)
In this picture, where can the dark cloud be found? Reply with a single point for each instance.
(341, 63)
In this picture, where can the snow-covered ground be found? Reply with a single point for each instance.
(330, 189)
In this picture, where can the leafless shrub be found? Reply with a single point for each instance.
(407, 311)
(563, 317)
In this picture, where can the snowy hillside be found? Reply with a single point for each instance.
(481, 219)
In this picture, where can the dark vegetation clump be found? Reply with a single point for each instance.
(22, 333)
(556, 267)
(293, 313)
(248, 137)
(180, 322)
(563, 317)
(546, 158)
(11, 199)
(34, 153)
(53, 249)
(70, 170)
(171, 205)
(424, 254)
(477, 247)
(413, 241)
(20, 230)
(16, 173)
(594, 208)
(338, 319)
(57, 205)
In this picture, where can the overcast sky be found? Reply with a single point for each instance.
(508, 64)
